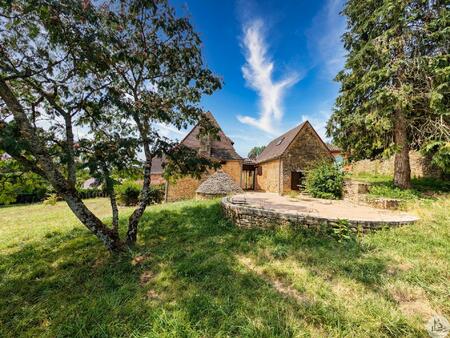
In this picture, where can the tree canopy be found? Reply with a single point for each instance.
(255, 151)
(89, 85)
(394, 92)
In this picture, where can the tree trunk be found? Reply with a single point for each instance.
(112, 198)
(143, 202)
(45, 166)
(402, 170)
(109, 237)
(133, 221)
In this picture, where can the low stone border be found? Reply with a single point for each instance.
(246, 216)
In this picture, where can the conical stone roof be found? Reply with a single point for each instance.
(219, 183)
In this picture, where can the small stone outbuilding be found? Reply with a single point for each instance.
(218, 184)
(283, 164)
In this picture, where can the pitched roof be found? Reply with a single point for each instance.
(221, 149)
(278, 146)
(219, 183)
(157, 165)
(333, 147)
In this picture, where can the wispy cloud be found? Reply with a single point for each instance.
(258, 73)
(325, 37)
(169, 131)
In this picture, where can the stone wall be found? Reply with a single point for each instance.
(157, 179)
(420, 166)
(184, 188)
(270, 178)
(250, 217)
(305, 150)
(234, 169)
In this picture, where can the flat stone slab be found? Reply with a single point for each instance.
(320, 209)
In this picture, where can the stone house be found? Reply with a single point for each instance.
(282, 165)
(221, 150)
(280, 168)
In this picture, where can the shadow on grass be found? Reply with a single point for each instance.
(186, 282)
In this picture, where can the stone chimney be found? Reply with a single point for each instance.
(205, 145)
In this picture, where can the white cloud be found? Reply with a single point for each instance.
(169, 131)
(258, 72)
(325, 37)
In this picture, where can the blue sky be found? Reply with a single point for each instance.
(277, 60)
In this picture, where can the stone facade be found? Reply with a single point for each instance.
(157, 179)
(306, 149)
(420, 166)
(183, 188)
(250, 217)
(269, 180)
(234, 169)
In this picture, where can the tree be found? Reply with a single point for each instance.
(112, 73)
(395, 84)
(255, 152)
(15, 182)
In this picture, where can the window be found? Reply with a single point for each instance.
(280, 141)
(259, 170)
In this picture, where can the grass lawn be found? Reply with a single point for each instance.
(195, 275)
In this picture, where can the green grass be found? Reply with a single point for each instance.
(195, 275)
(424, 188)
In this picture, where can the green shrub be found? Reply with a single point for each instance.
(128, 193)
(390, 191)
(51, 199)
(325, 180)
(157, 194)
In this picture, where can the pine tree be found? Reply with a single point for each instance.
(394, 92)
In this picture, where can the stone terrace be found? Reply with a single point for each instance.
(269, 209)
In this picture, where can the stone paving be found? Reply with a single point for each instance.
(256, 209)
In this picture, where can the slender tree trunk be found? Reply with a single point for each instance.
(402, 169)
(143, 202)
(133, 221)
(113, 201)
(44, 165)
(71, 170)
(109, 237)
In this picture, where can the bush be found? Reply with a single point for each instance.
(91, 192)
(326, 180)
(51, 199)
(128, 193)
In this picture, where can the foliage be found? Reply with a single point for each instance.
(116, 70)
(128, 193)
(390, 191)
(51, 199)
(19, 186)
(325, 180)
(194, 274)
(91, 192)
(423, 187)
(395, 84)
(255, 152)
(342, 232)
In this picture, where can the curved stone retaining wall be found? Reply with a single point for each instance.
(251, 217)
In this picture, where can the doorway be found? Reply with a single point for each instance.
(297, 180)
(248, 177)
